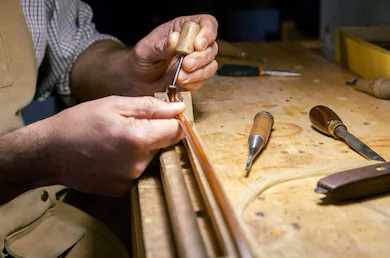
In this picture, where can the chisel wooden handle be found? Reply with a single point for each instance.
(262, 125)
(188, 33)
(184, 47)
(258, 137)
(379, 88)
(356, 183)
(229, 50)
(325, 120)
(328, 122)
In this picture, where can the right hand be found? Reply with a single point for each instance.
(100, 146)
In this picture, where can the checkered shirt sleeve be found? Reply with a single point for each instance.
(61, 31)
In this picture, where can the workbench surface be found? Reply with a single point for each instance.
(277, 202)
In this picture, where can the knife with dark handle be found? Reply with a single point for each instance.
(355, 184)
(250, 70)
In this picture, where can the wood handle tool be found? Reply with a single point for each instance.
(379, 88)
(258, 137)
(328, 122)
(229, 50)
(250, 70)
(355, 184)
(184, 47)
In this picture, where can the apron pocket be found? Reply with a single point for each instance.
(48, 237)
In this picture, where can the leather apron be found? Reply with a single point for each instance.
(37, 223)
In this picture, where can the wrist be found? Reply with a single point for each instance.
(23, 163)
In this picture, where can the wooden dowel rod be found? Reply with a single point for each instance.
(183, 218)
(236, 233)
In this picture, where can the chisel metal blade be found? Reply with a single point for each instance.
(362, 148)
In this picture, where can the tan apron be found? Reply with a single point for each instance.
(38, 223)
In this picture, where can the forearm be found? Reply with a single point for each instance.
(22, 162)
(102, 70)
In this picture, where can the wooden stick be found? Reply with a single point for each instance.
(241, 244)
(185, 228)
(138, 247)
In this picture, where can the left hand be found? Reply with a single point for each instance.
(153, 61)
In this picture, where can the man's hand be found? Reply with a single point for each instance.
(108, 67)
(98, 146)
(156, 62)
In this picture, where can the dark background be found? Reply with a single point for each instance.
(131, 20)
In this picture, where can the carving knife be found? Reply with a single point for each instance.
(355, 184)
(328, 122)
(250, 70)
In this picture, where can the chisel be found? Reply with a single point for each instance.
(355, 184)
(250, 70)
(258, 137)
(184, 47)
(229, 50)
(328, 122)
(379, 88)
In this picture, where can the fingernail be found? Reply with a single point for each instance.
(191, 63)
(203, 43)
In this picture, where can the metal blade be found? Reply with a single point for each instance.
(362, 148)
(281, 73)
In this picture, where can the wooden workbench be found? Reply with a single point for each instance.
(276, 202)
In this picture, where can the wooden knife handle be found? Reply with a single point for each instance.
(356, 183)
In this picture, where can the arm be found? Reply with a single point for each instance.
(78, 146)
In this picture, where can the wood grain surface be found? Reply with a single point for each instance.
(286, 218)
(279, 209)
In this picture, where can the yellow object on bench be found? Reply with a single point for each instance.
(363, 50)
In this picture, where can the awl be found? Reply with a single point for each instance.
(184, 47)
(250, 70)
(355, 184)
(328, 122)
(258, 137)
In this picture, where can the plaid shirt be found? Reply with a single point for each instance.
(61, 30)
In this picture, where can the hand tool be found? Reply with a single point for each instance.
(250, 70)
(355, 184)
(379, 88)
(258, 137)
(184, 47)
(229, 50)
(328, 122)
